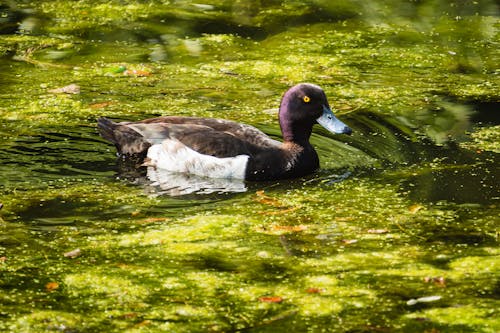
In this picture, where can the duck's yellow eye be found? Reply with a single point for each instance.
(306, 99)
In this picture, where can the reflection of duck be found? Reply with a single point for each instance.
(178, 184)
(219, 148)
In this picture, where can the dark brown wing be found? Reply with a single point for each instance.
(136, 138)
(218, 144)
(200, 138)
(244, 132)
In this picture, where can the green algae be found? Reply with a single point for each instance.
(398, 212)
(487, 138)
(229, 262)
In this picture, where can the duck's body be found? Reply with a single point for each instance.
(225, 149)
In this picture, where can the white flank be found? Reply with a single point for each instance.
(172, 155)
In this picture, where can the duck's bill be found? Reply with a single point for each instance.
(331, 123)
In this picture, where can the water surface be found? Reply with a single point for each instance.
(397, 232)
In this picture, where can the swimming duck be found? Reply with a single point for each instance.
(220, 148)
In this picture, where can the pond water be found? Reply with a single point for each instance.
(397, 232)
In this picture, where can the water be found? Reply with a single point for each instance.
(397, 232)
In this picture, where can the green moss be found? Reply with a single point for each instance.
(464, 318)
(47, 321)
(486, 138)
(24, 46)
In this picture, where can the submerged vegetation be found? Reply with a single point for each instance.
(398, 231)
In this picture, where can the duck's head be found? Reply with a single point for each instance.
(301, 107)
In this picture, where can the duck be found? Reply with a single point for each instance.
(219, 148)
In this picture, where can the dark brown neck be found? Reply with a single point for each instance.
(296, 133)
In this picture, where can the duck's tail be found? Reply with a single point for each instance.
(106, 129)
(126, 140)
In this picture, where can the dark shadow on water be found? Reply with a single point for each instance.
(463, 184)
(9, 19)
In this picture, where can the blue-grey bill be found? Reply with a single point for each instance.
(331, 123)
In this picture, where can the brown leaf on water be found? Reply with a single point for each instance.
(73, 254)
(349, 241)
(51, 286)
(438, 281)
(314, 290)
(264, 199)
(414, 209)
(3, 259)
(271, 299)
(377, 231)
(100, 105)
(267, 200)
(290, 228)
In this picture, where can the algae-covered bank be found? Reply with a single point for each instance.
(397, 232)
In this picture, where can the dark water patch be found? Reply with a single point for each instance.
(392, 141)
(80, 209)
(216, 261)
(486, 112)
(247, 19)
(462, 237)
(10, 18)
(66, 153)
(7, 79)
(311, 245)
(56, 210)
(476, 183)
(240, 25)
(217, 26)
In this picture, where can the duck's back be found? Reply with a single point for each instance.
(216, 137)
(244, 132)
